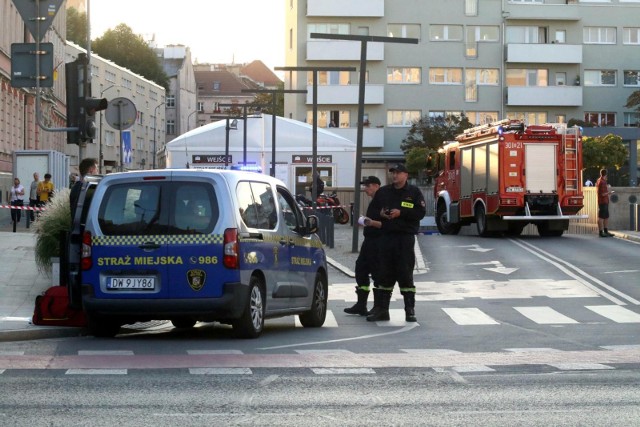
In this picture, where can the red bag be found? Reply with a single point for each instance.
(52, 309)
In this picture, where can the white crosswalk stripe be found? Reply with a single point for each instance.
(616, 313)
(545, 315)
(469, 316)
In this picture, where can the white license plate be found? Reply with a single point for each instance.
(131, 283)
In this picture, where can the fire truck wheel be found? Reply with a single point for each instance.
(481, 221)
(445, 227)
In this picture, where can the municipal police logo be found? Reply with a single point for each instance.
(196, 279)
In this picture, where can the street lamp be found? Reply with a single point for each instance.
(188, 117)
(155, 131)
(244, 117)
(228, 126)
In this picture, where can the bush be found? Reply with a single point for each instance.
(49, 229)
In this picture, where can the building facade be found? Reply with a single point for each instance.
(537, 60)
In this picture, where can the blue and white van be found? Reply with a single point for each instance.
(199, 245)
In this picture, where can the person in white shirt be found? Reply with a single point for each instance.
(17, 199)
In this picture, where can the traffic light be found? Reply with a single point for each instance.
(81, 107)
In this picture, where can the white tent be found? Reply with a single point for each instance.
(204, 147)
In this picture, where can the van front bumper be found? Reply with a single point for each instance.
(229, 306)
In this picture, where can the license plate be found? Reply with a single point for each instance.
(148, 283)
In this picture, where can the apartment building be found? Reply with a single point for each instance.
(537, 60)
(110, 81)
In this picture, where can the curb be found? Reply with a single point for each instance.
(344, 270)
(40, 332)
(625, 236)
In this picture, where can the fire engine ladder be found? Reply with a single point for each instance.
(570, 148)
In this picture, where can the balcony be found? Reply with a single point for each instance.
(346, 8)
(371, 137)
(342, 50)
(346, 94)
(552, 10)
(544, 53)
(547, 96)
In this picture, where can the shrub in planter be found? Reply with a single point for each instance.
(49, 229)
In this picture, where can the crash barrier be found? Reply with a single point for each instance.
(634, 217)
(326, 227)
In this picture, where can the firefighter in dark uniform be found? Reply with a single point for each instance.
(402, 206)
(367, 262)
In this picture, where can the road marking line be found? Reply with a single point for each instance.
(472, 368)
(396, 316)
(621, 347)
(337, 351)
(343, 371)
(11, 353)
(105, 353)
(430, 351)
(469, 316)
(616, 313)
(536, 251)
(580, 366)
(545, 315)
(205, 352)
(98, 371)
(220, 371)
(533, 350)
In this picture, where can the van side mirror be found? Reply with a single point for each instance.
(312, 224)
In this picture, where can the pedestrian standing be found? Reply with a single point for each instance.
(45, 190)
(88, 166)
(603, 204)
(402, 208)
(16, 199)
(367, 262)
(33, 195)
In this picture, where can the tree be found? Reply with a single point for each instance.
(633, 101)
(77, 26)
(129, 50)
(266, 99)
(603, 152)
(431, 133)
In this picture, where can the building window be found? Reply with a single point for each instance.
(140, 89)
(631, 35)
(404, 75)
(126, 83)
(561, 79)
(482, 117)
(439, 116)
(561, 36)
(325, 78)
(328, 28)
(171, 127)
(530, 118)
(404, 30)
(216, 86)
(471, 7)
(632, 77)
(171, 101)
(109, 76)
(599, 35)
(523, 34)
(483, 33)
(526, 77)
(200, 107)
(600, 78)
(445, 76)
(600, 119)
(527, 1)
(632, 119)
(439, 33)
(402, 118)
(331, 118)
(483, 76)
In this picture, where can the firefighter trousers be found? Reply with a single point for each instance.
(397, 260)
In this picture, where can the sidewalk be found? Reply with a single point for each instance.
(21, 282)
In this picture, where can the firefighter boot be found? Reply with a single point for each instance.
(409, 306)
(381, 299)
(361, 306)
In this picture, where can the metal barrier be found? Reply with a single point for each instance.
(634, 217)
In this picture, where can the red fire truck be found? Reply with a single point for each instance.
(505, 175)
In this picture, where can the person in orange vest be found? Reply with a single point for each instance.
(603, 204)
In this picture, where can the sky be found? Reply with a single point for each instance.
(216, 31)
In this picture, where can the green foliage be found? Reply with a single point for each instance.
(77, 26)
(267, 98)
(577, 122)
(633, 101)
(603, 152)
(48, 227)
(431, 133)
(129, 50)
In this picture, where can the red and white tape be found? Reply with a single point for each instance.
(23, 208)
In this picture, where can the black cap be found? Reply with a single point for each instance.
(370, 180)
(399, 167)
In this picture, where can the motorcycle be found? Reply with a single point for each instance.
(324, 202)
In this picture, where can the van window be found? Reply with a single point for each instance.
(195, 208)
(256, 205)
(293, 218)
(131, 210)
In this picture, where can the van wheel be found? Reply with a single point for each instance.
(444, 226)
(102, 327)
(183, 322)
(315, 317)
(481, 221)
(251, 323)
